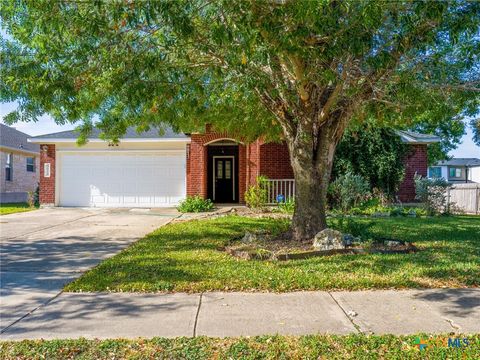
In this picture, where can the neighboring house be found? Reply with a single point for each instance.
(19, 165)
(148, 170)
(455, 171)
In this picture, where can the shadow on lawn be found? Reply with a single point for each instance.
(189, 253)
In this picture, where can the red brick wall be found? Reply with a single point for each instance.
(416, 163)
(275, 161)
(253, 162)
(47, 185)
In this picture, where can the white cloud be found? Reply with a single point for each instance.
(44, 125)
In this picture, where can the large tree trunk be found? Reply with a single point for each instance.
(312, 162)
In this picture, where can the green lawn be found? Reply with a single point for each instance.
(11, 208)
(264, 347)
(187, 257)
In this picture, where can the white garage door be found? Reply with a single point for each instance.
(128, 179)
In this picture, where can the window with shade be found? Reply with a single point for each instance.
(30, 164)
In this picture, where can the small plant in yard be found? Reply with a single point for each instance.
(349, 190)
(195, 204)
(34, 197)
(432, 194)
(287, 207)
(256, 196)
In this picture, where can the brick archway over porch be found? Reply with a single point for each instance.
(197, 164)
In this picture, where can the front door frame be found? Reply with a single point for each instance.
(233, 173)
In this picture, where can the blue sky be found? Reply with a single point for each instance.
(46, 125)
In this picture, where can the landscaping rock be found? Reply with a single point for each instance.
(393, 243)
(328, 239)
(254, 237)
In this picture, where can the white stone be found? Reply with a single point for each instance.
(328, 239)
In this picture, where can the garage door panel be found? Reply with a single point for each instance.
(122, 180)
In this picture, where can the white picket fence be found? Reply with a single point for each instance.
(465, 197)
(275, 187)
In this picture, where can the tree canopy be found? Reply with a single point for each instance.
(302, 70)
(240, 64)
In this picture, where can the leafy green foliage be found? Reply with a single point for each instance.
(34, 197)
(353, 346)
(349, 190)
(377, 154)
(432, 193)
(186, 256)
(287, 206)
(187, 63)
(256, 196)
(375, 207)
(195, 204)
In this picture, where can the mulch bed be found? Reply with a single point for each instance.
(282, 248)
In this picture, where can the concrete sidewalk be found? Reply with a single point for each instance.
(113, 315)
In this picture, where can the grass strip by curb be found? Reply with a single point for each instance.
(260, 347)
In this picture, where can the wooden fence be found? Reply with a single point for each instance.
(464, 197)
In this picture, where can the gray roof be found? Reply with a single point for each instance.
(412, 137)
(14, 139)
(471, 162)
(131, 133)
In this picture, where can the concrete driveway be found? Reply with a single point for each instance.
(42, 250)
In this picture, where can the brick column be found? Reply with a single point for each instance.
(197, 167)
(47, 184)
(415, 163)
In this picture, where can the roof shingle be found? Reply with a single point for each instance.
(131, 133)
(12, 138)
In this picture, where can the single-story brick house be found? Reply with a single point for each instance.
(19, 161)
(148, 170)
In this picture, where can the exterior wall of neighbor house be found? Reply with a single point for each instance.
(461, 178)
(474, 174)
(22, 181)
(47, 184)
(416, 163)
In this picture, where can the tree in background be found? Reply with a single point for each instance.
(301, 70)
(377, 154)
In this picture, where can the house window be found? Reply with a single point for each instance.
(435, 172)
(9, 168)
(31, 164)
(455, 172)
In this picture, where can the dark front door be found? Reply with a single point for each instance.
(224, 179)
